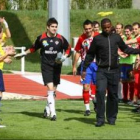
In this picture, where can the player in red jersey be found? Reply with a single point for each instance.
(136, 71)
(81, 49)
(54, 50)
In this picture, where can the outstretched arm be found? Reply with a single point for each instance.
(76, 58)
(126, 49)
(34, 47)
(6, 54)
(6, 27)
(131, 41)
(24, 53)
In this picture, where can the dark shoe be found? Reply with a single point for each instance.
(99, 124)
(135, 104)
(120, 100)
(130, 103)
(125, 101)
(111, 123)
(136, 110)
(95, 107)
(87, 113)
(53, 118)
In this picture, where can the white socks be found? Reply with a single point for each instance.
(87, 106)
(50, 108)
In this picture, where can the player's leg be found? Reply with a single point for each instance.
(112, 98)
(47, 74)
(0, 97)
(131, 84)
(86, 88)
(124, 78)
(93, 97)
(56, 81)
(120, 94)
(51, 100)
(2, 88)
(93, 68)
(86, 93)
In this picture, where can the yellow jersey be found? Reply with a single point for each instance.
(2, 42)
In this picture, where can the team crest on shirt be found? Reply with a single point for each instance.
(56, 42)
(51, 48)
(45, 43)
(86, 43)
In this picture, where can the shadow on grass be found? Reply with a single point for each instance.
(73, 99)
(125, 107)
(33, 114)
(70, 111)
(83, 120)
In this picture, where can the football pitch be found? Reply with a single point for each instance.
(24, 120)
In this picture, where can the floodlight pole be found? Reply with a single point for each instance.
(60, 10)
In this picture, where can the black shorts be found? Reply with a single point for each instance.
(51, 74)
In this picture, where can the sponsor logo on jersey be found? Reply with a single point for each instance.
(51, 40)
(86, 43)
(50, 52)
(56, 42)
(45, 43)
(51, 48)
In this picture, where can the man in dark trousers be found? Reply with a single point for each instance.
(105, 47)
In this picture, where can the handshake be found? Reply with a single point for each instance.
(20, 55)
(60, 58)
(9, 51)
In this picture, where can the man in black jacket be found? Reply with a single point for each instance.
(105, 47)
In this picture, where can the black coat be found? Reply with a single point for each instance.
(105, 48)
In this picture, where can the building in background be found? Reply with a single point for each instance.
(136, 4)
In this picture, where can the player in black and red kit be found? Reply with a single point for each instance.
(52, 46)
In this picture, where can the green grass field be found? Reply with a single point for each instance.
(23, 120)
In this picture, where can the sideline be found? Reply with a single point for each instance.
(13, 96)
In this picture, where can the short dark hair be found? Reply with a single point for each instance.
(128, 27)
(87, 22)
(105, 20)
(119, 24)
(95, 22)
(51, 21)
(136, 23)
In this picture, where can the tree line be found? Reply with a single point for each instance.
(74, 4)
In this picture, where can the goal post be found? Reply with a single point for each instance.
(22, 49)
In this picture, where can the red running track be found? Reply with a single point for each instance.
(15, 83)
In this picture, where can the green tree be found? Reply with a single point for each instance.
(124, 4)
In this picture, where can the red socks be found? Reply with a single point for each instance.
(86, 97)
